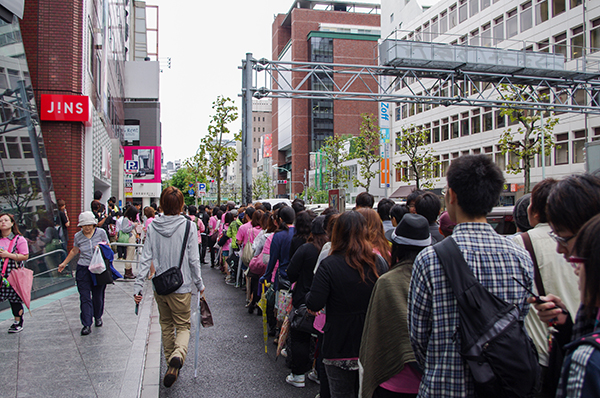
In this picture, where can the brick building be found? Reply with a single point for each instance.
(326, 32)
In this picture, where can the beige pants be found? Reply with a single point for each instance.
(174, 311)
(130, 251)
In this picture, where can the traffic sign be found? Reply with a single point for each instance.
(201, 188)
(131, 165)
(191, 192)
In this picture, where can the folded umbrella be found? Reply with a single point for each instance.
(262, 304)
(21, 280)
(197, 340)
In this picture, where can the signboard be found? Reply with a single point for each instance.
(337, 199)
(384, 144)
(201, 188)
(148, 160)
(131, 133)
(128, 185)
(65, 108)
(268, 145)
(131, 166)
(146, 190)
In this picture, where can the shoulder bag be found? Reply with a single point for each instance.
(247, 252)
(172, 279)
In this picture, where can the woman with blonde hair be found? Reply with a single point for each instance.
(375, 233)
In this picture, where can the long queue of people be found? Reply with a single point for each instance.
(363, 303)
(386, 319)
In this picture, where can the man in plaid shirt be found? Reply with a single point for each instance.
(474, 186)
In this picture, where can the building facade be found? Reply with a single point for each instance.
(318, 32)
(567, 27)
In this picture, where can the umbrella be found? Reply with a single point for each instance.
(283, 334)
(198, 317)
(21, 280)
(262, 304)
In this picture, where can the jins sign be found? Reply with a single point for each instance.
(67, 108)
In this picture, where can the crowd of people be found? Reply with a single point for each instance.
(360, 301)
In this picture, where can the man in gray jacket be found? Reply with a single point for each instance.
(163, 248)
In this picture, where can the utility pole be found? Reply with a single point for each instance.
(247, 130)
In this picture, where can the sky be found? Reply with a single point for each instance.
(206, 42)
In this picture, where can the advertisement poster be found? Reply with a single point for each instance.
(148, 161)
(268, 148)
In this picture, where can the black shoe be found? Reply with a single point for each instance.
(98, 322)
(16, 327)
(86, 330)
(251, 309)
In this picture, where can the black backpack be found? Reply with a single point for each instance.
(494, 343)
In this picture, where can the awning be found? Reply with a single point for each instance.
(403, 191)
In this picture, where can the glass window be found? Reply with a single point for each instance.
(436, 134)
(498, 30)
(445, 133)
(561, 150)
(398, 112)
(575, 3)
(526, 16)
(27, 154)
(578, 145)
(443, 22)
(560, 44)
(485, 4)
(473, 7)
(500, 120)
(541, 12)
(486, 35)
(475, 124)
(501, 160)
(434, 29)
(488, 121)
(577, 43)
(464, 127)
(558, 7)
(454, 128)
(544, 46)
(463, 11)
(452, 17)
(594, 43)
(512, 26)
(474, 39)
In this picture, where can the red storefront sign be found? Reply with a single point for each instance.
(65, 108)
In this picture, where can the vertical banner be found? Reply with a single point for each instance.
(384, 141)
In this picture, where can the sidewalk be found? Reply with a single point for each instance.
(50, 358)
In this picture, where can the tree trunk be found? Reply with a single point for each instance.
(527, 175)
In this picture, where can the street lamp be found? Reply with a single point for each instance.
(289, 178)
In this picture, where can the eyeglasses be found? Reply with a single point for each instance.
(559, 239)
(575, 261)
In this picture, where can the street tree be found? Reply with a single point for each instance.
(181, 180)
(18, 193)
(525, 143)
(262, 186)
(414, 143)
(197, 167)
(336, 152)
(366, 150)
(216, 143)
(314, 195)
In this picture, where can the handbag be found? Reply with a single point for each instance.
(172, 279)
(123, 237)
(301, 320)
(20, 279)
(247, 251)
(223, 239)
(206, 319)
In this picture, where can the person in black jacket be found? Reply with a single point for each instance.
(301, 271)
(343, 285)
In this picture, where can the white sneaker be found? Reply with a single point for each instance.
(314, 377)
(295, 380)
(284, 353)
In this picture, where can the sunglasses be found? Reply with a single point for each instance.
(559, 239)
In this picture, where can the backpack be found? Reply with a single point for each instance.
(494, 343)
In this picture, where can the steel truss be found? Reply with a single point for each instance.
(446, 87)
(427, 86)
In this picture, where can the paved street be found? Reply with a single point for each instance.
(232, 357)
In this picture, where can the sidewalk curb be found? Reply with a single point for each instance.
(151, 377)
(132, 382)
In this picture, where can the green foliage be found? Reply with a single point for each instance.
(215, 145)
(526, 142)
(262, 186)
(336, 175)
(314, 195)
(414, 143)
(180, 180)
(365, 147)
(197, 167)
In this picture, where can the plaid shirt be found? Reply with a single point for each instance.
(433, 313)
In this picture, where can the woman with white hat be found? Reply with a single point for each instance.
(91, 296)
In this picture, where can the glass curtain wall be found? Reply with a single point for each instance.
(321, 50)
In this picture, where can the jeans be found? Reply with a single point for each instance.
(91, 297)
(342, 383)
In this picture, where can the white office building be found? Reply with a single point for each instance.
(568, 27)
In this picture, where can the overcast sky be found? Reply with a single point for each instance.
(206, 42)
